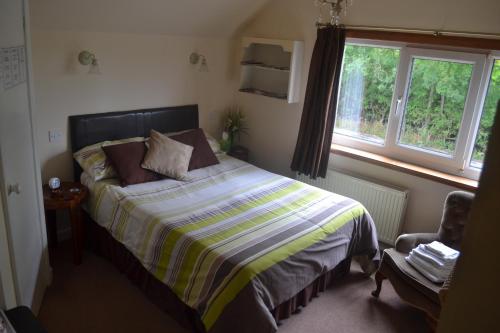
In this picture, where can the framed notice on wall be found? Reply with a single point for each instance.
(12, 66)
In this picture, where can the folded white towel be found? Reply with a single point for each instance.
(442, 251)
(435, 261)
(429, 257)
(440, 273)
(423, 271)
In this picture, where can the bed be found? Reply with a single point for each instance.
(234, 247)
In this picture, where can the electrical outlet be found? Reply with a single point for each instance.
(55, 136)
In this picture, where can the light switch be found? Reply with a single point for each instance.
(55, 136)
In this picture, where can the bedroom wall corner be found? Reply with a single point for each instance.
(274, 124)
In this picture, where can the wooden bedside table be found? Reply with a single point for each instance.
(69, 196)
(239, 152)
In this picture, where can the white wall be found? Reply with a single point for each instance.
(138, 71)
(274, 124)
(214, 18)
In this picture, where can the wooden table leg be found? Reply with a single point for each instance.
(76, 231)
(50, 222)
(82, 228)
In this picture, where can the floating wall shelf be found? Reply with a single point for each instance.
(272, 68)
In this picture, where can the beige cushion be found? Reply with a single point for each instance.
(167, 156)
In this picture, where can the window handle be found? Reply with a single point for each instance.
(464, 163)
(398, 105)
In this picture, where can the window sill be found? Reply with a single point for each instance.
(440, 177)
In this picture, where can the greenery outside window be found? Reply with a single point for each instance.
(437, 92)
(433, 108)
(367, 85)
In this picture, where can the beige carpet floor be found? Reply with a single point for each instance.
(95, 297)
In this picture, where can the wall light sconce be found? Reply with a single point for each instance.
(196, 58)
(87, 58)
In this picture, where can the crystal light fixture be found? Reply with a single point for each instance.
(336, 9)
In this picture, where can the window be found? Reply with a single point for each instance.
(436, 101)
(429, 107)
(368, 78)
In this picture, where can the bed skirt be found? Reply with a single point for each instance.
(100, 241)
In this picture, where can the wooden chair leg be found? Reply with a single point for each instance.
(431, 322)
(379, 277)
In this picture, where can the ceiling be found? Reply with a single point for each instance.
(207, 18)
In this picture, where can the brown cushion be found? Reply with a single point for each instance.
(126, 159)
(203, 155)
(167, 157)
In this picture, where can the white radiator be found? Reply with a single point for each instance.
(386, 204)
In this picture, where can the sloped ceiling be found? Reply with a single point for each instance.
(208, 18)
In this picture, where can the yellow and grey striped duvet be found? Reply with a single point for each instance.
(207, 238)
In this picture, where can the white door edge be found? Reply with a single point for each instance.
(8, 294)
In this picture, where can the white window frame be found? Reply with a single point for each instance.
(460, 162)
(359, 143)
(471, 171)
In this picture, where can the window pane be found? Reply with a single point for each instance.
(366, 90)
(487, 117)
(436, 101)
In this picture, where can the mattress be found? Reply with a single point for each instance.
(233, 238)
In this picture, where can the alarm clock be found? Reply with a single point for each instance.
(54, 183)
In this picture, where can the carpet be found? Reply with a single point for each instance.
(95, 297)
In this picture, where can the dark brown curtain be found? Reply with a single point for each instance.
(316, 127)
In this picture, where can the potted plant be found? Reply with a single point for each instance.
(234, 123)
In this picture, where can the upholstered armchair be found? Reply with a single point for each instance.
(408, 283)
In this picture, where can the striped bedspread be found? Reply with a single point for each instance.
(230, 227)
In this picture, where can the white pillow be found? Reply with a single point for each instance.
(93, 160)
(213, 142)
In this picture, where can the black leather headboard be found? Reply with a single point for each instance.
(88, 129)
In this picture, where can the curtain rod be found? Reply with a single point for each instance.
(416, 31)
